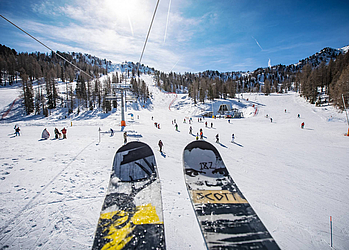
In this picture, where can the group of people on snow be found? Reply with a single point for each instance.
(298, 115)
(58, 135)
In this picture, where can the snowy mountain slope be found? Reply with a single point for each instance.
(52, 191)
(8, 95)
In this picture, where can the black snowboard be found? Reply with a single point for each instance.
(131, 216)
(226, 219)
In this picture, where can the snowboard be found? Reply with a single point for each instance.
(131, 216)
(226, 219)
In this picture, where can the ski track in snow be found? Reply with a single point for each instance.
(52, 191)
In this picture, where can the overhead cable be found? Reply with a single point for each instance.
(146, 40)
(47, 47)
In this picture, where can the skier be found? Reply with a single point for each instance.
(232, 138)
(45, 134)
(176, 126)
(111, 132)
(160, 145)
(302, 125)
(64, 132)
(271, 119)
(17, 131)
(57, 133)
(201, 134)
(217, 138)
(197, 136)
(158, 125)
(211, 124)
(299, 115)
(206, 123)
(125, 137)
(190, 130)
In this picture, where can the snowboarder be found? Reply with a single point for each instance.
(232, 138)
(64, 132)
(190, 130)
(217, 138)
(17, 131)
(160, 145)
(45, 134)
(158, 125)
(302, 125)
(125, 137)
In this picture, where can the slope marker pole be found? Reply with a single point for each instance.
(331, 231)
(346, 113)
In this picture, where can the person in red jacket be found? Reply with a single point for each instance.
(64, 132)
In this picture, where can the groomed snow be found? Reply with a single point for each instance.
(51, 191)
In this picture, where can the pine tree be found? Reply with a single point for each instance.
(267, 88)
(27, 92)
(341, 87)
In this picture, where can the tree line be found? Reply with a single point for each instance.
(39, 74)
(326, 83)
(321, 78)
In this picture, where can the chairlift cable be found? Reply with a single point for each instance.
(146, 40)
(46, 46)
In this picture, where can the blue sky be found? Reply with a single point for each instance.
(187, 36)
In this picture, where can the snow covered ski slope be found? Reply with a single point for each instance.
(52, 191)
